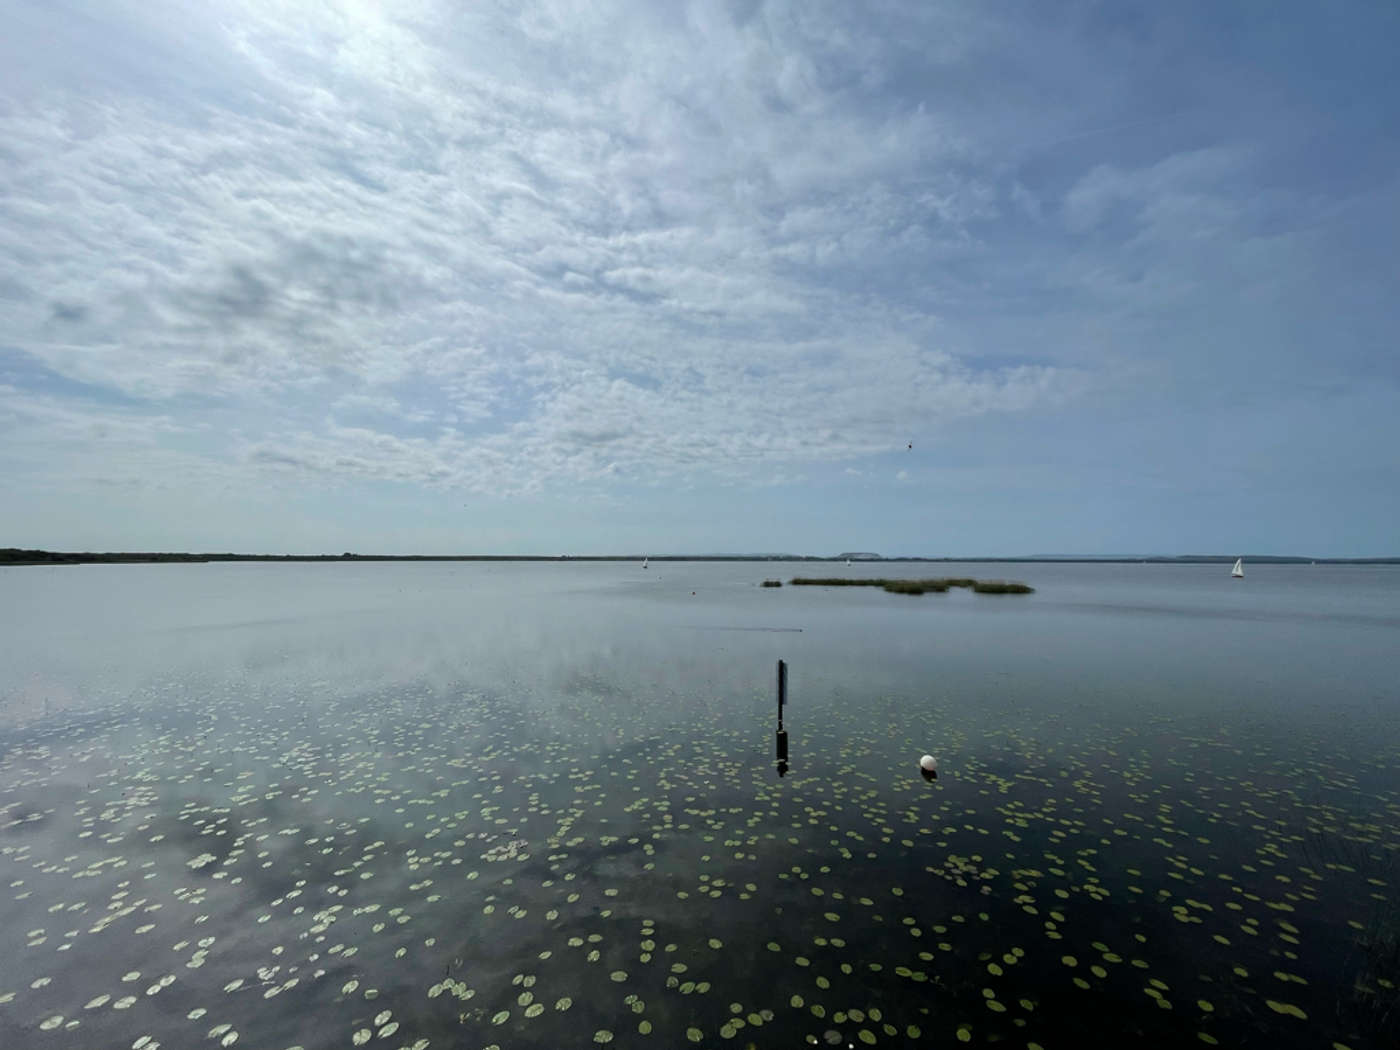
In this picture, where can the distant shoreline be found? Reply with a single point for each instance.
(19, 556)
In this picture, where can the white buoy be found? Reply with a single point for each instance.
(928, 766)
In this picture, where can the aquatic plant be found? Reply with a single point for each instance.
(938, 585)
(1001, 587)
(914, 586)
(1369, 993)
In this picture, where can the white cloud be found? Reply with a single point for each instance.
(378, 206)
(524, 249)
(1181, 196)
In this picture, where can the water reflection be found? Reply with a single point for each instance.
(509, 807)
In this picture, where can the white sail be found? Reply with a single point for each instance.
(644, 562)
(1238, 570)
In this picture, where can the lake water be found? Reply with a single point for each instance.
(535, 805)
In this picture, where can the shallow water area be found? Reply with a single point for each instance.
(535, 804)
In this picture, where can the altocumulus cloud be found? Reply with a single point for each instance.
(556, 246)
(553, 247)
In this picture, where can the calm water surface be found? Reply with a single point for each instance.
(534, 805)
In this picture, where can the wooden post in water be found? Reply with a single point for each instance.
(782, 743)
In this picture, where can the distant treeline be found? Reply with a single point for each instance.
(20, 556)
(17, 556)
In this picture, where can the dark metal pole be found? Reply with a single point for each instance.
(782, 742)
(782, 690)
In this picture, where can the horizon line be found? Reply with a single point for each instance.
(31, 556)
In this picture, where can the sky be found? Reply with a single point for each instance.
(918, 278)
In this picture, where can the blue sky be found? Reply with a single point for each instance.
(596, 278)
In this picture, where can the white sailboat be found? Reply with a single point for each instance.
(645, 559)
(848, 563)
(1238, 571)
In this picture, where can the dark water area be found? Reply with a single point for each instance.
(535, 805)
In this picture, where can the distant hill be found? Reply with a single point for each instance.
(860, 556)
